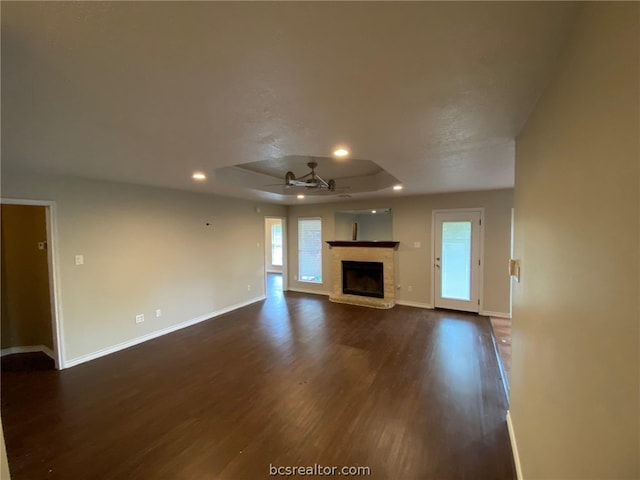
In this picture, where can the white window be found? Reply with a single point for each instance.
(310, 250)
(276, 244)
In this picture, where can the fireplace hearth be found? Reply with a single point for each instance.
(363, 278)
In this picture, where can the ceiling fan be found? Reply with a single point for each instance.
(311, 180)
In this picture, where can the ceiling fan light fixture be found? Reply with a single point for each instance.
(310, 181)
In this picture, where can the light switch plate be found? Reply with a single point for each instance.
(514, 269)
(79, 259)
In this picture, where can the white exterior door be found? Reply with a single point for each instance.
(457, 259)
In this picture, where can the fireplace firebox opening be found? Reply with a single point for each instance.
(363, 278)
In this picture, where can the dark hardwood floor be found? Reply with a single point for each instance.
(292, 381)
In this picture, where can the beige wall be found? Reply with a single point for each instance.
(146, 248)
(575, 367)
(26, 304)
(412, 218)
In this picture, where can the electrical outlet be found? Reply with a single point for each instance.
(248, 288)
(79, 259)
(158, 313)
(410, 288)
(140, 318)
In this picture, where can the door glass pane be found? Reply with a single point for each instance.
(276, 245)
(310, 250)
(456, 260)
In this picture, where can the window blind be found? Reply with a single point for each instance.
(310, 250)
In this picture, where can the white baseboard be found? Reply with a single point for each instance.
(28, 349)
(407, 303)
(488, 313)
(514, 447)
(158, 333)
(48, 352)
(305, 290)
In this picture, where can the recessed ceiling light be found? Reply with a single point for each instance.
(374, 211)
(341, 152)
(300, 196)
(397, 187)
(199, 176)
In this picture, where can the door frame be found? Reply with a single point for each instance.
(480, 279)
(285, 269)
(54, 275)
(511, 253)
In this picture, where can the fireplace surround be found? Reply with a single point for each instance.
(364, 253)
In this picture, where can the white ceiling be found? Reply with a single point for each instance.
(148, 92)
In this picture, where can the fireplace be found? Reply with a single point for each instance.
(363, 278)
(374, 275)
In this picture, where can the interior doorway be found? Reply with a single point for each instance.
(275, 255)
(29, 299)
(457, 265)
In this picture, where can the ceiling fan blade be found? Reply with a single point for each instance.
(299, 183)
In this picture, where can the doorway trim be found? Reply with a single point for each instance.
(285, 269)
(481, 252)
(54, 274)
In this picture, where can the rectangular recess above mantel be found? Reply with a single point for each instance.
(364, 243)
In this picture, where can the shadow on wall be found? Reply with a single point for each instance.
(26, 304)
